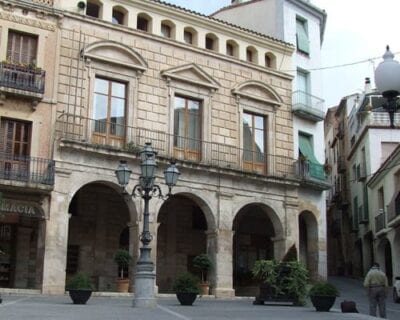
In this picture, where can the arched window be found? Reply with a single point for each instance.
(190, 36)
(270, 60)
(94, 8)
(168, 29)
(144, 22)
(232, 48)
(119, 15)
(211, 42)
(251, 54)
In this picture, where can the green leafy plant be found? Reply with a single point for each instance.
(185, 283)
(80, 281)
(204, 264)
(283, 278)
(323, 288)
(132, 147)
(122, 258)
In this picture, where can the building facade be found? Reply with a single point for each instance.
(147, 71)
(302, 24)
(362, 206)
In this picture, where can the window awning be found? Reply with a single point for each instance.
(302, 37)
(307, 149)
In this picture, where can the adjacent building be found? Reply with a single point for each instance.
(302, 24)
(213, 96)
(363, 209)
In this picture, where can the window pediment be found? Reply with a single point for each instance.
(259, 91)
(115, 53)
(191, 73)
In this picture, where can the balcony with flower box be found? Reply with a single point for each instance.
(22, 81)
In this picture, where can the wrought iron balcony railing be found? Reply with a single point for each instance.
(311, 170)
(22, 78)
(26, 169)
(308, 106)
(380, 221)
(120, 137)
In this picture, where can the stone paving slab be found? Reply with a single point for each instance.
(98, 308)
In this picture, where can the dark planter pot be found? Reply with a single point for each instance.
(186, 298)
(80, 296)
(323, 303)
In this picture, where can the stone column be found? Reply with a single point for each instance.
(220, 247)
(56, 241)
(22, 258)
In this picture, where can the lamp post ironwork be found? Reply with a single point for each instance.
(146, 189)
(387, 81)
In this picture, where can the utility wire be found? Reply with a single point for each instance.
(343, 65)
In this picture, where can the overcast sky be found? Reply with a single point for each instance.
(356, 30)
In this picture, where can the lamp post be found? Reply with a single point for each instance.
(387, 81)
(146, 189)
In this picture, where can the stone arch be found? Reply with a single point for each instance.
(258, 235)
(308, 242)
(99, 217)
(116, 53)
(385, 257)
(258, 90)
(396, 248)
(184, 222)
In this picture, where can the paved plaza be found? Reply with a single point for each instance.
(61, 308)
(32, 307)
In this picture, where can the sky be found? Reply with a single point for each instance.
(356, 30)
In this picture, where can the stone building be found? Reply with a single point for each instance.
(200, 90)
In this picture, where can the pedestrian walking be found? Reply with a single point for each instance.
(376, 283)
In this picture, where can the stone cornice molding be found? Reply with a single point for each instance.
(27, 21)
(269, 95)
(121, 54)
(191, 73)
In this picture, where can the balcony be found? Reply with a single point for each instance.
(84, 133)
(312, 174)
(380, 221)
(26, 169)
(307, 106)
(393, 209)
(22, 81)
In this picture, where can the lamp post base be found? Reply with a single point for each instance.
(145, 282)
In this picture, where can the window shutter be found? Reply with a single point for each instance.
(303, 44)
(21, 48)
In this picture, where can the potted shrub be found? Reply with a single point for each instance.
(204, 264)
(122, 258)
(186, 287)
(281, 281)
(80, 288)
(323, 295)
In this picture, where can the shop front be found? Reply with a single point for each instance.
(21, 244)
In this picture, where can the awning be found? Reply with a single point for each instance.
(316, 169)
(306, 149)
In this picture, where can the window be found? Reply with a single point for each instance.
(310, 165)
(302, 41)
(21, 48)
(166, 30)
(143, 23)
(93, 9)
(188, 37)
(108, 111)
(303, 87)
(118, 16)
(254, 142)
(232, 48)
(211, 42)
(187, 128)
(381, 201)
(251, 54)
(270, 60)
(15, 140)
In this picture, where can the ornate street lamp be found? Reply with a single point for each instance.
(146, 189)
(387, 81)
